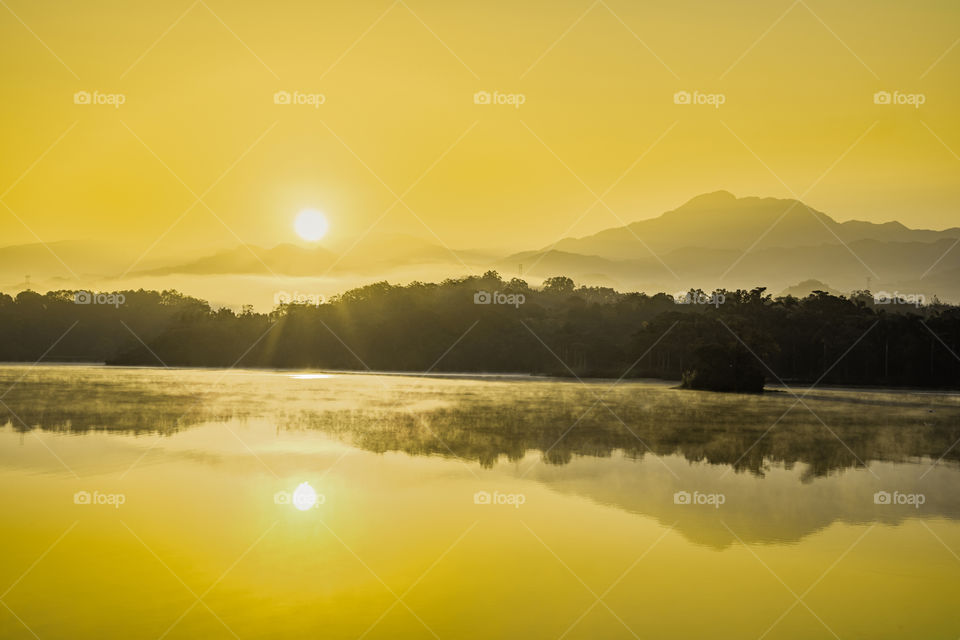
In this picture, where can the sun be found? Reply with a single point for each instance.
(304, 496)
(311, 225)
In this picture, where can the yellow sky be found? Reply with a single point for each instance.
(398, 79)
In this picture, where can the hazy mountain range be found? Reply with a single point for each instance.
(720, 220)
(713, 240)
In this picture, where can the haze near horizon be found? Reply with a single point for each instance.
(212, 125)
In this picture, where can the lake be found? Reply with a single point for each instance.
(155, 503)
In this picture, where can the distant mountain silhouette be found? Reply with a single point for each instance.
(59, 258)
(715, 240)
(720, 220)
(805, 288)
(67, 263)
(375, 254)
(284, 258)
(888, 265)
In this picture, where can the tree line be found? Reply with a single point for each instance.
(722, 340)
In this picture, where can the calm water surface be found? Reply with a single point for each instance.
(470, 508)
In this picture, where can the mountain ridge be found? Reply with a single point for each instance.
(720, 219)
(712, 240)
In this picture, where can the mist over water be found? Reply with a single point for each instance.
(524, 487)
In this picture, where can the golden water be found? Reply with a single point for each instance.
(587, 542)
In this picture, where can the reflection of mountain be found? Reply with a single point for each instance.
(800, 476)
(774, 509)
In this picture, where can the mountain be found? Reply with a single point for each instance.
(375, 254)
(866, 263)
(61, 259)
(287, 259)
(720, 220)
(67, 264)
(715, 240)
(805, 288)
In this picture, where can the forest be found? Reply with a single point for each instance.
(721, 340)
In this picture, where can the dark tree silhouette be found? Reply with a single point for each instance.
(725, 340)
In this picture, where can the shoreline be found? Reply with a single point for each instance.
(772, 387)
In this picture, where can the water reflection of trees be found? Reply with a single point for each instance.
(718, 429)
(79, 404)
(492, 421)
